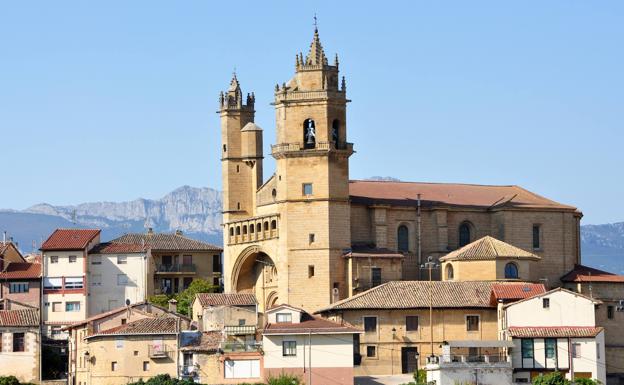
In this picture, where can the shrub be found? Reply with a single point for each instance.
(284, 379)
(9, 380)
(554, 378)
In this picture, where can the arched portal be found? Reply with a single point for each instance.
(255, 272)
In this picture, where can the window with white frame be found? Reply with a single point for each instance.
(74, 282)
(283, 317)
(54, 259)
(53, 283)
(241, 368)
(122, 259)
(72, 259)
(72, 306)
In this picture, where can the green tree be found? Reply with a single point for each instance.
(9, 380)
(555, 378)
(185, 299)
(160, 300)
(586, 381)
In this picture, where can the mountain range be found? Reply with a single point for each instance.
(197, 212)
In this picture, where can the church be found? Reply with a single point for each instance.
(309, 236)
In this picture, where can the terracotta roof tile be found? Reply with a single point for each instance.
(21, 317)
(156, 325)
(69, 239)
(21, 270)
(166, 242)
(488, 248)
(314, 325)
(415, 294)
(515, 291)
(555, 331)
(449, 194)
(226, 299)
(115, 248)
(582, 273)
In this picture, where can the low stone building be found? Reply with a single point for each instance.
(488, 259)
(20, 344)
(609, 289)
(220, 311)
(396, 320)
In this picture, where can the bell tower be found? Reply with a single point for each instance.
(241, 153)
(312, 178)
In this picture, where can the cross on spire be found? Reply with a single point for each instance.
(315, 22)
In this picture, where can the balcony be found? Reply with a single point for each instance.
(236, 347)
(188, 371)
(236, 330)
(285, 148)
(178, 268)
(159, 351)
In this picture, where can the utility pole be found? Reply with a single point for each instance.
(430, 264)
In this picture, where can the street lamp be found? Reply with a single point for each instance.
(417, 356)
(430, 264)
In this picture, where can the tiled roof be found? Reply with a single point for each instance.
(488, 248)
(554, 331)
(156, 325)
(551, 291)
(582, 273)
(115, 248)
(21, 270)
(166, 242)
(515, 291)
(449, 194)
(21, 317)
(226, 299)
(416, 294)
(209, 342)
(69, 239)
(309, 324)
(362, 251)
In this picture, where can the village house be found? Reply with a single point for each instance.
(316, 350)
(608, 288)
(20, 281)
(555, 331)
(125, 344)
(20, 343)
(65, 269)
(400, 330)
(9, 253)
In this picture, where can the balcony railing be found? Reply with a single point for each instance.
(241, 347)
(158, 351)
(467, 360)
(188, 370)
(178, 268)
(236, 330)
(319, 146)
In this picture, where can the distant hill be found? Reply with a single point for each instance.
(197, 212)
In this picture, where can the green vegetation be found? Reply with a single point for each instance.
(165, 379)
(185, 299)
(12, 380)
(284, 379)
(557, 378)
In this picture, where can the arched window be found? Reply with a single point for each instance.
(237, 230)
(273, 224)
(464, 234)
(244, 229)
(274, 193)
(251, 228)
(309, 134)
(449, 272)
(231, 231)
(336, 132)
(266, 225)
(258, 227)
(403, 238)
(511, 271)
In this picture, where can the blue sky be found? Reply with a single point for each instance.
(114, 100)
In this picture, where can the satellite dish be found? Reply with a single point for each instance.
(127, 302)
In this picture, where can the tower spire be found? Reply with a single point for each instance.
(316, 55)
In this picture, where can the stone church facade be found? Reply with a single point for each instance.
(308, 236)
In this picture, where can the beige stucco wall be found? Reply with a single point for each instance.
(103, 351)
(448, 325)
(109, 294)
(23, 365)
(566, 309)
(64, 316)
(215, 318)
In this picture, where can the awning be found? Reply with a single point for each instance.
(481, 344)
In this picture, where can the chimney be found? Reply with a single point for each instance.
(178, 232)
(173, 305)
(150, 230)
(4, 238)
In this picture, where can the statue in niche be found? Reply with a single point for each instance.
(310, 134)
